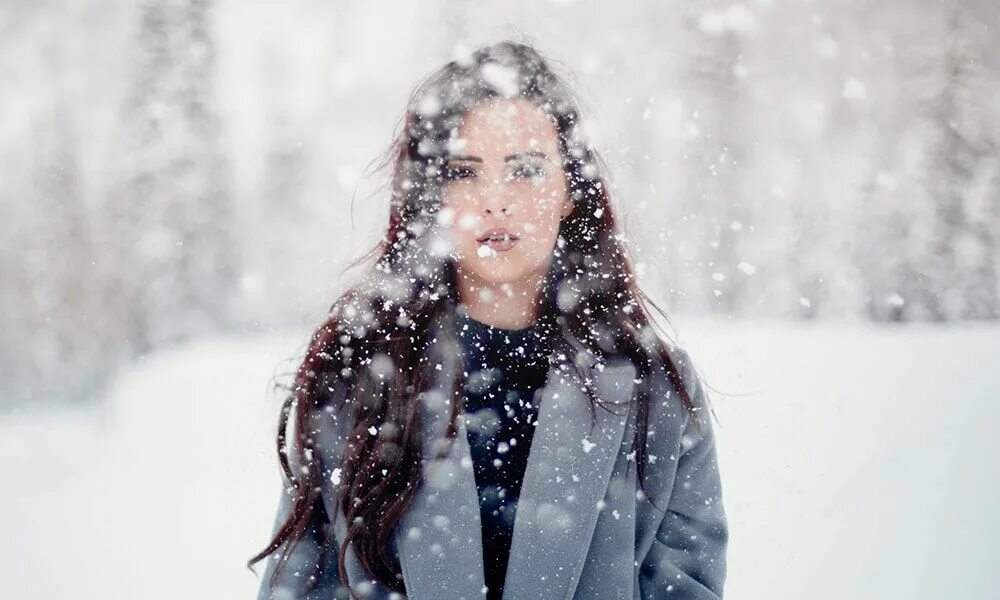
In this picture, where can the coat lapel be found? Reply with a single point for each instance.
(569, 466)
(439, 540)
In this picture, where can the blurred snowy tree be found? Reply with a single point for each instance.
(715, 203)
(52, 342)
(959, 108)
(172, 272)
(957, 113)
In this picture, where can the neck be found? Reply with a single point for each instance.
(507, 305)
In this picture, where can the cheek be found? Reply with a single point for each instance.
(463, 233)
(544, 212)
(456, 197)
(462, 215)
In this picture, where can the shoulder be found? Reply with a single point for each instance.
(670, 430)
(331, 422)
(681, 371)
(669, 415)
(691, 378)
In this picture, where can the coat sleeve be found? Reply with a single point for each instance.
(687, 560)
(309, 573)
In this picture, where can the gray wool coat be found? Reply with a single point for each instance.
(582, 531)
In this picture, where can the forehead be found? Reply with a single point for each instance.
(495, 126)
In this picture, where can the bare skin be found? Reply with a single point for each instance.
(505, 171)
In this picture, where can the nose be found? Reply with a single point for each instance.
(497, 198)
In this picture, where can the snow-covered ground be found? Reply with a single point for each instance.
(857, 463)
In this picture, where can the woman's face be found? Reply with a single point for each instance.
(504, 172)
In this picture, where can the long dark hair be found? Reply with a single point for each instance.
(590, 293)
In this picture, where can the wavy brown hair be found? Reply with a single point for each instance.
(589, 292)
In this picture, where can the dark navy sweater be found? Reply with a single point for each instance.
(506, 370)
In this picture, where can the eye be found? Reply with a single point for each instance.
(454, 173)
(528, 171)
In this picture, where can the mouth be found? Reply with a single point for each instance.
(498, 240)
(496, 235)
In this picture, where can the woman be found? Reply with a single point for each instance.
(501, 316)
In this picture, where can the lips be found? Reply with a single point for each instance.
(496, 234)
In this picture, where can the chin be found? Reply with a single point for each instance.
(511, 267)
(498, 271)
(500, 274)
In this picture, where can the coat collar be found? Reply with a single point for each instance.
(439, 540)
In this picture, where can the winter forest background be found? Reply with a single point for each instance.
(173, 172)
(176, 167)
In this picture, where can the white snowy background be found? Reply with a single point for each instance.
(811, 189)
(857, 464)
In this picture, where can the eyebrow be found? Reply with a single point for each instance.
(508, 158)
